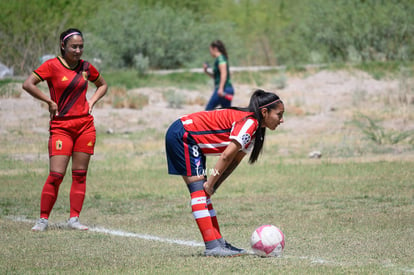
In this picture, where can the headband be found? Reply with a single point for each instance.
(270, 103)
(69, 35)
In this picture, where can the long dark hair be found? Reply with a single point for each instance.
(65, 36)
(220, 46)
(259, 100)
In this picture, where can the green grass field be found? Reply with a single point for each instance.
(339, 216)
(350, 212)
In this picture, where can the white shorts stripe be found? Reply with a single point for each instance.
(212, 213)
(201, 214)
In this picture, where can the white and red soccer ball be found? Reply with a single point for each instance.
(268, 241)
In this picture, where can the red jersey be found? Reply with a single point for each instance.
(213, 130)
(67, 86)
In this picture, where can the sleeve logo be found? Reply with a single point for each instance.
(245, 138)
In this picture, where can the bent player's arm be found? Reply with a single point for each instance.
(101, 89)
(226, 158)
(240, 155)
(29, 86)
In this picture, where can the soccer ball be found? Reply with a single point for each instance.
(268, 241)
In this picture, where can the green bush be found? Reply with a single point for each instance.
(176, 34)
(141, 63)
(31, 29)
(362, 30)
(378, 134)
(166, 39)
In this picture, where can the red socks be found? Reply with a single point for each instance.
(49, 193)
(51, 189)
(202, 209)
(213, 217)
(77, 192)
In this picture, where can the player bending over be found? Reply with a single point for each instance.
(230, 133)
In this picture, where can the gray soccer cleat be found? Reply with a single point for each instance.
(219, 251)
(233, 248)
(41, 225)
(75, 224)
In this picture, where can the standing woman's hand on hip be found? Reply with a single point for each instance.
(53, 109)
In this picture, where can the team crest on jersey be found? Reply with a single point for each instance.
(245, 138)
(64, 78)
(85, 75)
(59, 144)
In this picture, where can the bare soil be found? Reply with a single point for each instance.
(317, 105)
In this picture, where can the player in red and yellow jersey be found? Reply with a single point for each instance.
(230, 133)
(72, 130)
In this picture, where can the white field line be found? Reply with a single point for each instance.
(115, 232)
(144, 236)
(120, 233)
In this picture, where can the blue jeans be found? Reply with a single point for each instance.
(216, 100)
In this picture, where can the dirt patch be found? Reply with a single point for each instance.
(318, 104)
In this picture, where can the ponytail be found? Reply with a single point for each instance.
(259, 100)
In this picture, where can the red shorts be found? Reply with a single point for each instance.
(68, 135)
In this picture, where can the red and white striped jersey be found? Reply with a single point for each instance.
(213, 130)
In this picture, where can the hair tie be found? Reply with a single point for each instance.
(69, 35)
(270, 103)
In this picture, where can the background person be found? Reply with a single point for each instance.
(230, 133)
(72, 130)
(223, 89)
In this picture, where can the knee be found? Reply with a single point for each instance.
(55, 178)
(79, 176)
(196, 186)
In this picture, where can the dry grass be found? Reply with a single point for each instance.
(119, 97)
(339, 216)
